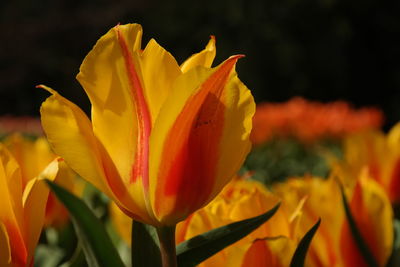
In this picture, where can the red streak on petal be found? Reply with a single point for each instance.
(191, 150)
(350, 252)
(19, 254)
(140, 167)
(394, 185)
(259, 255)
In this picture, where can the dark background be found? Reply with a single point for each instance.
(323, 50)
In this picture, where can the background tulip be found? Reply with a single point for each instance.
(272, 243)
(22, 211)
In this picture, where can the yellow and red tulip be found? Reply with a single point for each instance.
(163, 139)
(333, 244)
(376, 152)
(272, 243)
(32, 156)
(373, 214)
(321, 197)
(22, 210)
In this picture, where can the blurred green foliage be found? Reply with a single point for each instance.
(281, 158)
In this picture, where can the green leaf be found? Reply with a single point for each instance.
(201, 247)
(96, 244)
(145, 246)
(359, 240)
(300, 254)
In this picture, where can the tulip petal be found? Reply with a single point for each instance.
(204, 58)
(104, 77)
(31, 156)
(190, 130)
(69, 132)
(373, 215)
(5, 248)
(34, 201)
(239, 111)
(159, 70)
(11, 206)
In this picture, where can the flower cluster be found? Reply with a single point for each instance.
(310, 120)
(163, 148)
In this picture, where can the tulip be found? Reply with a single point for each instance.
(272, 244)
(376, 152)
(22, 210)
(32, 156)
(322, 199)
(324, 120)
(333, 243)
(373, 214)
(163, 139)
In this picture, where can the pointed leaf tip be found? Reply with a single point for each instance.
(300, 254)
(356, 234)
(199, 248)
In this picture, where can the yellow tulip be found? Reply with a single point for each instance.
(22, 210)
(272, 244)
(32, 156)
(163, 139)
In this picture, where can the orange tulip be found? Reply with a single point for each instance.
(22, 211)
(330, 120)
(164, 139)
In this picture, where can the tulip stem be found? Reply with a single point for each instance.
(166, 235)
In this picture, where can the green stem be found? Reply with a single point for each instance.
(166, 236)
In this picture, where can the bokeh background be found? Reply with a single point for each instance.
(322, 50)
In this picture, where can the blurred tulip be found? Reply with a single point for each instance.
(272, 244)
(32, 156)
(164, 139)
(25, 124)
(376, 152)
(309, 121)
(322, 200)
(372, 211)
(22, 210)
(333, 244)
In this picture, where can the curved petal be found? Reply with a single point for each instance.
(204, 58)
(373, 214)
(11, 212)
(5, 246)
(239, 111)
(34, 201)
(190, 130)
(106, 80)
(159, 70)
(32, 156)
(70, 134)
